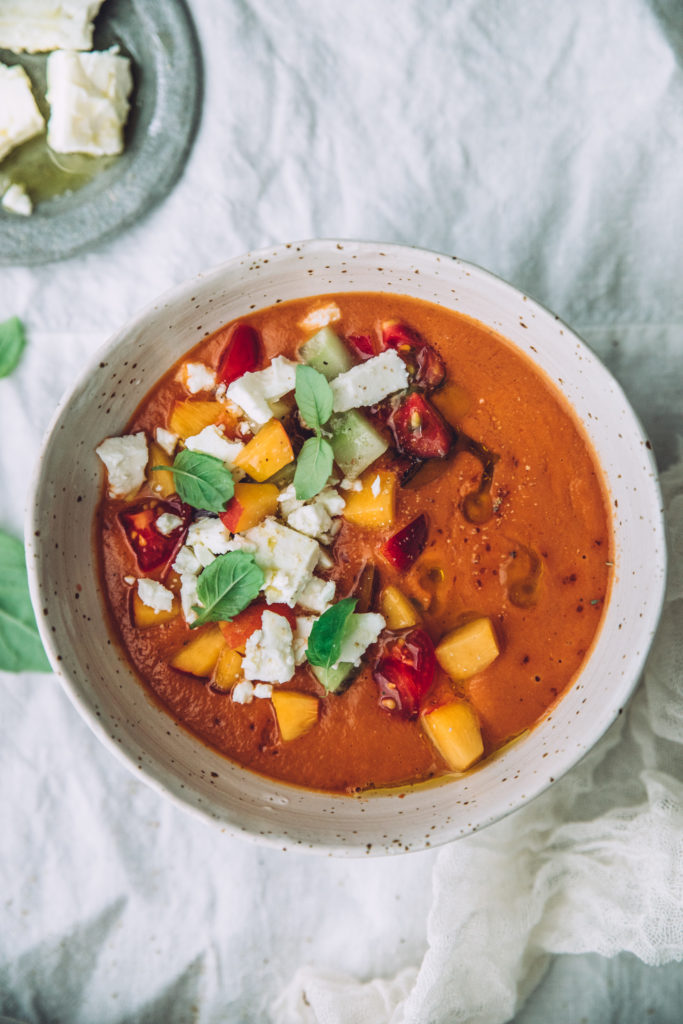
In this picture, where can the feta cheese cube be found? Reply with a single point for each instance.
(20, 118)
(208, 533)
(198, 377)
(269, 654)
(43, 25)
(189, 596)
(286, 557)
(252, 391)
(263, 691)
(167, 523)
(304, 625)
(130, 580)
(212, 441)
(317, 595)
(166, 439)
(321, 317)
(17, 200)
(155, 595)
(186, 564)
(243, 692)
(332, 502)
(312, 520)
(362, 631)
(126, 460)
(88, 96)
(369, 382)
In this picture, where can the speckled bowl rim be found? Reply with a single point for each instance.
(155, 774)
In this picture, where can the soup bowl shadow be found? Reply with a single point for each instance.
(70, 606)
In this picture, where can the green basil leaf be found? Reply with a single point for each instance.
(324, 643)
(201, 481)
(313, 396)
(20, 646)
(313, 467)
(227, 586)
(12, 341)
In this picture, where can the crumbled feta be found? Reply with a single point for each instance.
(312, 520)
(210, 533)
(166, 439)
(321, 317)
(332, 502)
(324, 560)
(17, 200)
(43, 25)
(20, 118)
(212, 441)
(304, 625)
(286, 557)
(189, 596)
(130, 580)
(376, 486)
(186, 563)
(363, 631)
(243, 692)
(88, 97)
(252, 391)
(126, 460)
(369, 382)
(317, 595)
(198, 377)
(155, 595)
(263, 691)
(269, 654)
(288, 500)
(167, 523)
(351, 485)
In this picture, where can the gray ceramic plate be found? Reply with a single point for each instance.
(160, 39)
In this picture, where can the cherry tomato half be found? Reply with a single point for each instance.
(405, 672)
(242, 354)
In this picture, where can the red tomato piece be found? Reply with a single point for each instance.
(241, 355)
(152, 548)
(424, 364)
(407, 545)
(361, 344)
(239, 629)
(419, 430)
(405, 672)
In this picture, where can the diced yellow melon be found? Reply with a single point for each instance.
(190, 417)
(160, 480)
(454, 730)
(199, 655)
(228, 669)
(144, 616)
(296, 713)
(375, 504)
(397, 609)
(250, 504)
(468, 649)
(267, 453)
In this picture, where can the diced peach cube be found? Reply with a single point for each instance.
(189, 417)
(228, 669)
(161, 480)
(250, 505)
(468, 649)
(454, 730)
(397, 609)
(144, 616)
(267, 453)
(199, 655)
(374, 505)
(296, 713)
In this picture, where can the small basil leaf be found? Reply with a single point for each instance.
(313, 467)
(324, 643)
(313, 396)
(12, 341)
(227, 586)
(20, 646)
(201, 480)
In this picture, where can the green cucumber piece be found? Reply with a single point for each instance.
(333, 679)
(355, 442)
(327, 353)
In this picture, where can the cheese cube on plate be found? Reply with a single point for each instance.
(20, 118)
(369, 382)
(88, 96)
(36, 26)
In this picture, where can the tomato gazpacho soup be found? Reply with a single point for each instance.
(355, 541)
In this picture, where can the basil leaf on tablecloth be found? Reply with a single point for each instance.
(201, 481)
(324, 643)
(12, 342)
(20, 646)
(313, 467)
(313, 396)
(227, 586)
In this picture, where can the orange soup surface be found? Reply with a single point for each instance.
(367, 574)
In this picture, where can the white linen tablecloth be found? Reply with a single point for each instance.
(545, 142)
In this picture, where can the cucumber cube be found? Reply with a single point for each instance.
(333, 679)
(355, 442)
(327, 353)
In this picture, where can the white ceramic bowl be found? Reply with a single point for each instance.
(69, 604)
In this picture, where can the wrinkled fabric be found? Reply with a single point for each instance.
(544, 142)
